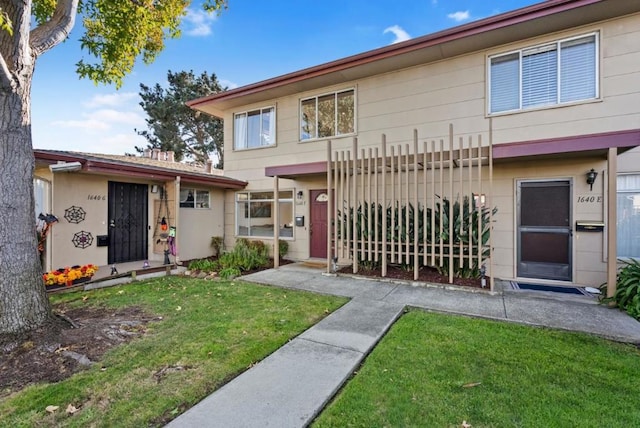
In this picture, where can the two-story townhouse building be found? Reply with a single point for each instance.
(526, 112)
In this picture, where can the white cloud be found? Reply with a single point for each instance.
(228, 83)
(110, 100)
(397, 31)
(102, 119)
(461, 15)
(87, 124)
(198, 23)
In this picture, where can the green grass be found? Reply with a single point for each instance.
(218, 329)
(528, 377)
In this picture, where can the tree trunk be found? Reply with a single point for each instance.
(23, 301)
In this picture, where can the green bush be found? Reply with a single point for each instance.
(627, 295)
(283, 247)
(246, 255)
(229, 273)
(217, 243)
(204, 265)
(465, 219)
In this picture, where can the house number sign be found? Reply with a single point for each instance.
(96, 197)
(589, 199)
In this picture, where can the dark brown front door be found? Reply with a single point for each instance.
(318, 224)
(127, 222)
(545, 229)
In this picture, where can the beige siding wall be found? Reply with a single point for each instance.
(90, 193)
(197, 226)
(629, 161)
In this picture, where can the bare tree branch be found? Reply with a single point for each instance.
(5, 75)
(56, 30)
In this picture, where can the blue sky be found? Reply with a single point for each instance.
(250, 41)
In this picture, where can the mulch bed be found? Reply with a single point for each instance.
(425, 274)
(67, 344)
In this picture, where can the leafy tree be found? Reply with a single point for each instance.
(117, 32)
(174, 126)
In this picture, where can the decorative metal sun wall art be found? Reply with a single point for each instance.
(74, 214)
(82, 239)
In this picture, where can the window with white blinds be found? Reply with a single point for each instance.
(561, 72)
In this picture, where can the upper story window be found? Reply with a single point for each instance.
(327, 115)
(555, 73)
(193, 198)
(255, 128)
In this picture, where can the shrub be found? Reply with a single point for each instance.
(217, 243)
(627, 295)
(229, 273)
(203, 265)
(465, 219)
(246, 255)
(283, 247)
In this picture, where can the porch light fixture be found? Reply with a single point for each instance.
(154, 188)
(299, 195)
(591, 178)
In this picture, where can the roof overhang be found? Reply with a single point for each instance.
(532, 21)
(591, 144)
(106, 167)
(296, 170)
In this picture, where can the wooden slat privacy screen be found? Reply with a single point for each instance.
(418, 204)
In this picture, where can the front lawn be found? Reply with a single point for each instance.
(435, 370)
(202, 334)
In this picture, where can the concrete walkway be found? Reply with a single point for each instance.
(291, 386)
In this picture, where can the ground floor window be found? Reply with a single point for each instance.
(193, 198)
(255, 212)
(629, 216)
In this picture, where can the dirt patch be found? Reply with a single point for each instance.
(75, 339)
(425, 274)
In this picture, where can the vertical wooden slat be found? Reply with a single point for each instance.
(407, 249)
(489, 203)
(451, 243)
(424, 203)
(416, 211)
(370, 211)
(384, 205)
(347, 202)
(479, 225)
(276, 222)
(461, 199)
(441, 186)
(361, 204)
(433, 203)
(376, 212)
(471, 201)
(341, 205)
(330, 204)
(400, 216)
(393, 203)
(354, 201)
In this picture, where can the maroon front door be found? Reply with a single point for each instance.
(318, 224)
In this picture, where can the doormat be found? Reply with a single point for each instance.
(556, 289)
